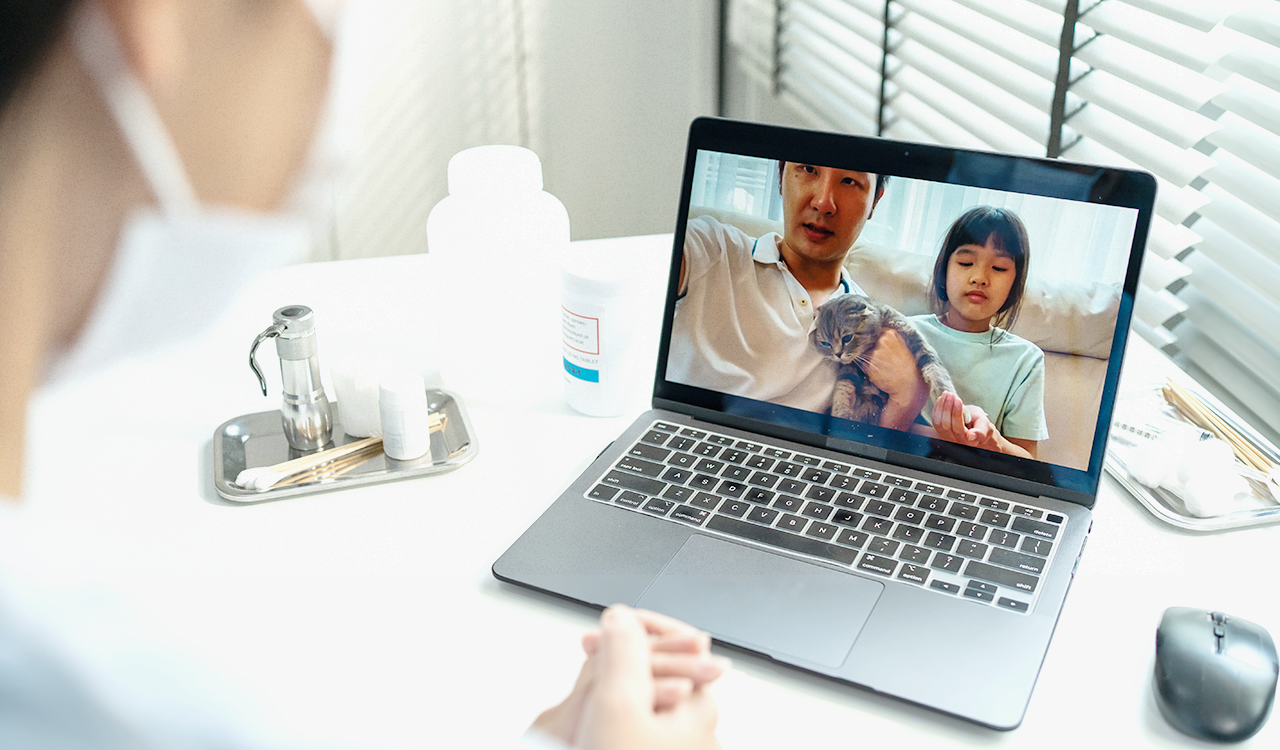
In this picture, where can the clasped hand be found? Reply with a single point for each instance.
(641, 687)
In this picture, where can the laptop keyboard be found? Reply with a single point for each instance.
(946, 540)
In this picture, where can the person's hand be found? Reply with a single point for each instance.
(967, 425)
(892, 368)
(679, 664)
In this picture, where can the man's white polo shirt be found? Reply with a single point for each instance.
(742, 326)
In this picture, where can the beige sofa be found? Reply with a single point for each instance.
(1072, 322)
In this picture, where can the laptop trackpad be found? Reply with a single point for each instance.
(762, 601)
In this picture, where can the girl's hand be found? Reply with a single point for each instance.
(967, 425)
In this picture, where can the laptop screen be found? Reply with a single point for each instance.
(956, 311)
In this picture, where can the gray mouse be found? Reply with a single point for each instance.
(1215, 675)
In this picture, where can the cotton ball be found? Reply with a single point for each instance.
(1209, 495)
(1150, 463)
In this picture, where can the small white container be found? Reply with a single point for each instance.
(402, 405)
(601, 322)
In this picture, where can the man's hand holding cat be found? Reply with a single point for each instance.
(892, 368)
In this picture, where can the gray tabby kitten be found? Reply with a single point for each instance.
(847, 329)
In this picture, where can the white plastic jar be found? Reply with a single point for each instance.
(406, 421)
(500, 237)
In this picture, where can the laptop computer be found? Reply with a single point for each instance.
(879, 556)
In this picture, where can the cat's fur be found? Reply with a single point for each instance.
(848, 327)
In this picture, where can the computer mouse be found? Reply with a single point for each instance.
(1215, 675)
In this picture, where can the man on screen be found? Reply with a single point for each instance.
(746, 304)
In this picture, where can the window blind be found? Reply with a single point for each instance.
(1185, 89)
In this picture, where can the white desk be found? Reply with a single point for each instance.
(369, 617)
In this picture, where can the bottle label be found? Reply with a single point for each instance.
(581, 332)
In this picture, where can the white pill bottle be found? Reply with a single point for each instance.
(499, 236)
(601, 295)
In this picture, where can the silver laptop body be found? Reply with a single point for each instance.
(868, 591)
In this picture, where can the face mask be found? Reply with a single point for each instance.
(182, 257)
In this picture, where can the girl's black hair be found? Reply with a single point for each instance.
(28, 30)
(977, 226)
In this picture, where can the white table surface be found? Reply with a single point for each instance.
(369, 617)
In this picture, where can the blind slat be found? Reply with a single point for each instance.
(827, 90)
(1232, 255)
(1246, 348)
(983, 125)
(1170, 240)
(1157, 115)
(852, 31)
(1246, 183)
(940, 129)
(1249, 309)
(1155, 308)
(1165, 38)
(1038, 23)
(1158, 273)
(1239, 136)
(837, 67)
(1197, 14)
(1014, 46)
(1177, 165)
(1166, 79)
(1247, 223)
(1244, 391)
(1262, 22)
(1176, 204)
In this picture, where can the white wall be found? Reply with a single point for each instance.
(610, 88)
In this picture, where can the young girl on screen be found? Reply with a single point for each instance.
(976, 292)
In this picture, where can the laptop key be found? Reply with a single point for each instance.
(791, 486)
(817, 476)
(689, 514)
(877, 525)
(940, 523)
(735, 508)
(682, 443)
(696, 434)
(864, 473)
(883, 546)
(877, 564)
(950, 588)
(1008, 578)
(703, 482)
(1012, 604)
(994, 518)
(932, 489)
(941, 541)
(1036, 528)
(658, 506)
(677, 493)
(734, 456)
(630, 499)
(909, 515)
(914, 554)
(765, 516)
(1017, 560)
(990, 502)
(792, 523)
(964, 510)
(602, 492)
(968, 497)
(683, 460)
(731, 489)
(899, 495)
(739, 473)
(846, 517)
(817, 510)
(897, 481)
(849, 500)
(852, 538)
(776, 538)
(787, 469)
(762, 463)
(970, 548)
(979, 595)
(634, 482)
(932, 503)
(1036, 546)
(914, 573)
(820, 493)
(1022, 510)
(639, 466)
(758, 495)
(806, 460)
(720, 440)
(880, 508)
(749, 446)
(665, 426)
(679, 476)
(761, 479)
(705, 500)
(709, 466)
(651, 452)
(821, 530)
(980, 586)
(1054, 518)
(787, 502)
(843, 482)
(710, 450)
(908, 533)
(654, 437)
(971, 530)
(944, 561)
(873, 489)
(777, 453)
(1003, 538)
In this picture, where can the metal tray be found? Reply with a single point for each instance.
(258, 440)
(1143, 410)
